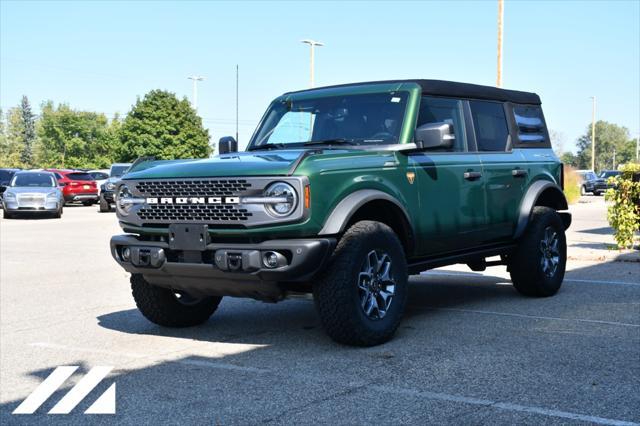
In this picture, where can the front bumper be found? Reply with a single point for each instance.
(108, 196)
(44, 206)
(224, 269)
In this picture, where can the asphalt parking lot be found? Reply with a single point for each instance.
(470, 350)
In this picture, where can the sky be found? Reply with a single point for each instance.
(101, 56)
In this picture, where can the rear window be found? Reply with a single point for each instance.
(530, 124)
(79, 176)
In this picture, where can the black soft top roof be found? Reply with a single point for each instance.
(458, 90)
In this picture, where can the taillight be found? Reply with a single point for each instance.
(72, 183)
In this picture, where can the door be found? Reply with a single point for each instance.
(451, 184)
(505, 170)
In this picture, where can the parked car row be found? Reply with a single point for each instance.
(595, 184)
(47, 191)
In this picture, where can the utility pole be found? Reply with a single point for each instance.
(500, 34)
(237, 100)
(593, 133)
(194, 90)
(614, 160)
(312, 44)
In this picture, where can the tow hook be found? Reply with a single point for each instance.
(234, 261)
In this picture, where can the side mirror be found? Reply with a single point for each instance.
(434, 135)
(227, 144)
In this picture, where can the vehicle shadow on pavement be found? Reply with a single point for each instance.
(243, 321)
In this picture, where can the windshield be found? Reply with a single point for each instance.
(117, 171)
(372, 118)
(5, 175)
(33, 180)
(609, 173)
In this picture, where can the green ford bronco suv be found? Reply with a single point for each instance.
(343, 192)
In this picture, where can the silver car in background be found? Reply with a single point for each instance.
(33, 192)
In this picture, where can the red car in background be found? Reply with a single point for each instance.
(77, 186)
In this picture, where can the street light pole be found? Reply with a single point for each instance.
(593, 133)
(500, 34)
(194, 90)
(312, 44)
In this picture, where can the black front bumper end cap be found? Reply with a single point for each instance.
(307, 257)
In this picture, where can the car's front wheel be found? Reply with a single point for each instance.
(362, 295)
(104, 205)
(538, 263)
(171, 308)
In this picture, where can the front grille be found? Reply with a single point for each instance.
(192, 188)
(204, 213)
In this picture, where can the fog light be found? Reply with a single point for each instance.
(126, 254)
(273, 259)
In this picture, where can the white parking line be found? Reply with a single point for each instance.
(388, 389)
(508, 314)
(505, 406)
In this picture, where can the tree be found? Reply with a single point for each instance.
(610, 139)
(28, 133)
(163, 126)
(569, 158)
(73, 139)
(557, 141)
(13, 145)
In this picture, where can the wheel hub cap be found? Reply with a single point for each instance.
(550, 250)
(376, 286)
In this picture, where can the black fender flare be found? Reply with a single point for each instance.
(344, 210)
(530, 199)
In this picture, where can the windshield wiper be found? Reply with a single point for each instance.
(336, 141)
(268, 146)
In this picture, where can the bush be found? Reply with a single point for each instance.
(571, 184)
(624, 212)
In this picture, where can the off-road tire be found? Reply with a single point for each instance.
(336, 292)
(104, 206)
(526, 262)
(161, 306)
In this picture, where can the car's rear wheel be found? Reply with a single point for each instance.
(362, 295)
(104, 205)
(171, 308)
(538, 264)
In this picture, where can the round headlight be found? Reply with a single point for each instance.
(110, 186)
(285, 191)
(124, 200)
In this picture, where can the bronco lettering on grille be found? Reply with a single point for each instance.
(193, 200)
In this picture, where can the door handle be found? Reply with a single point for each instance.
(472, 175)
(519, 173)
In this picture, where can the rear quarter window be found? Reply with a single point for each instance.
(530, 126)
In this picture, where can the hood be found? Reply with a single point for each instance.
(257, 163)
(31, 189)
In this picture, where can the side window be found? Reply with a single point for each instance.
(444, 110)
(530, 122)
(490, 125)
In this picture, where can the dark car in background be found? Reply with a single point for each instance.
(78, 186)
(601, 184)
(108, 187)
(5, 178)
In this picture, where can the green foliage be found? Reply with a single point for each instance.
(13, 144)
(610, 138)
(28, 133)
(569, 158)
(163, 126)
(624, 212)
(571, 185)
(74, 139)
